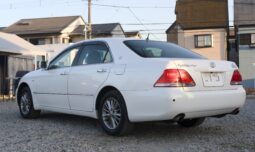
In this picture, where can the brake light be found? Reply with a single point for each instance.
(236, 78)
(175, 78)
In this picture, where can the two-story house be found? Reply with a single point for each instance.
(199, 28)
(102, 30)
(61, 30)
(55, 33)
(133, 34)
(52, 30)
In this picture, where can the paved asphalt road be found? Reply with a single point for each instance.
(64, 133)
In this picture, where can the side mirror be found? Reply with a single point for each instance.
(43, 65)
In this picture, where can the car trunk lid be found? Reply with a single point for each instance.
(208, 74)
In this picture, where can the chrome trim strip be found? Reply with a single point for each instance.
(91, 95)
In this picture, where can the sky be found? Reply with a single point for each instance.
(149, 16)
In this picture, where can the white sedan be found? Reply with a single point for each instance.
(124, 81)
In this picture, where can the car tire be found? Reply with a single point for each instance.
(112, 114)
(191, 122)
(26, 106)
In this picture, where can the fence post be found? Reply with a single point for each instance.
(10, 87)
(0, 88)
(253, 77)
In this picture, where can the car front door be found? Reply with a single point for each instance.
(89, 73)
(51, 84)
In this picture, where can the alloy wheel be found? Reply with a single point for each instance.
(111, 113)
(25, 103)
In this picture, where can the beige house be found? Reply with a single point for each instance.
(53, 34)
(103, 30)
(197, 28)
(210, 43)
(53, 30)
(133, 34)
(61, 30)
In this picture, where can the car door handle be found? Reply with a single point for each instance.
(101, 70)
(63, 73)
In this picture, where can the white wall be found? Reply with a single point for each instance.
(247, 69)
(247, 59)
(53, 49)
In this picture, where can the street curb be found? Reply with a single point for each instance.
(250, 96)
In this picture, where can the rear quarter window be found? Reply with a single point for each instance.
(158, 49)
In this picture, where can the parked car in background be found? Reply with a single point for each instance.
(18, 76)
(125, 81)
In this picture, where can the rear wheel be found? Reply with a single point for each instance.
(191, 122)
(113, 114)
(26, 106)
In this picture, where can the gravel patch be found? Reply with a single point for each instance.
(67, 133)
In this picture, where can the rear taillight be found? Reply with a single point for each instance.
(175, 78)
(236, 78)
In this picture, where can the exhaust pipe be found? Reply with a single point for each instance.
(235, 112)
(179, 117)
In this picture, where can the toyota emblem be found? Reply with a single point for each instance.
(212, 65)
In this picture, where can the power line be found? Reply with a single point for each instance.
(121, 6)
(125, 6)
(11, 5)
(191, 21)
(140, 21)
(40, 4)
(141, 30)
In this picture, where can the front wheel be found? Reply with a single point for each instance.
(25, 103)
(191, 122)
(113, 114)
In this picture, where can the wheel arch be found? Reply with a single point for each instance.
(21, 86)
(102, 92)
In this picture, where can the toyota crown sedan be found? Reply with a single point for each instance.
(124, 81)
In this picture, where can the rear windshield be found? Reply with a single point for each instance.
(158, 49)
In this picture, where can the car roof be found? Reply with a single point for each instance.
(107, 40)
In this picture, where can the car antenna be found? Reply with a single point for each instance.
(148, 37)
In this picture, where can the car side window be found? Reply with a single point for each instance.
(65, 60)
(94, 54)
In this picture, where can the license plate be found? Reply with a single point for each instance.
(213, 79)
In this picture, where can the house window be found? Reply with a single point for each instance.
(40, 41)
(245, 39)
(203, 41)
(37, 41)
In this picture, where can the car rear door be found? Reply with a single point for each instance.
(89, 73)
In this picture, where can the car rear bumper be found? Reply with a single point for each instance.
(166, 103)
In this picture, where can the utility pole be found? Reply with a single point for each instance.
(237, 43)
(228, 35)
(89, 21)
